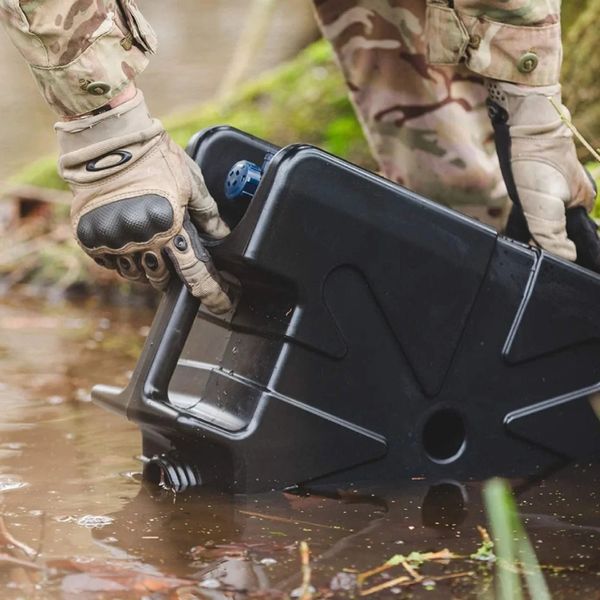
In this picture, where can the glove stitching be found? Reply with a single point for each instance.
(131, 247)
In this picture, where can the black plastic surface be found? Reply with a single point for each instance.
(377, 336)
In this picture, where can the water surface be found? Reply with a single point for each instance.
(70, 491)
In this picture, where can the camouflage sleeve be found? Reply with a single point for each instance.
(509, 40)
(82, 53)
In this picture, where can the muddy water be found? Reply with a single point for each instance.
(83, 525)
(197, 38)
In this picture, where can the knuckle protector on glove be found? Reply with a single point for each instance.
(106, 260)
(137, 196)
(118, 223)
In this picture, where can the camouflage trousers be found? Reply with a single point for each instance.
(417, 82)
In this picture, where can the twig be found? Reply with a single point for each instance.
(294, 521)
(361, 577)
(425, 557)
(567, 121)
(305, 590)
(7, 538)
(402, 580)
(411, 571)
(405, 581)
(18, 562)
(485, 536)
(444, 554)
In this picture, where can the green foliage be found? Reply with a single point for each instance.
(41, 173)
(485, 552)
(414, 559)
(302, 101)
(581, 71)
(515, 554)
(571, 10)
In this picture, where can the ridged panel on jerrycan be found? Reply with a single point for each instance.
(376, 336)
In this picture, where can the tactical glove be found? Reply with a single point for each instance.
(139, 200)
(543, 175)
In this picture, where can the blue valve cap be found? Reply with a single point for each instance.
(242, 180)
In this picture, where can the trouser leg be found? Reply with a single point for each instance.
(427, 125)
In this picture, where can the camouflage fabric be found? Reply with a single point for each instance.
(82, 52)
(518, 41)
(427, 125)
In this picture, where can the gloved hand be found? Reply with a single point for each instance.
(140, 199)
(541, 170)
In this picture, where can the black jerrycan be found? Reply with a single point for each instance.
(376, 336)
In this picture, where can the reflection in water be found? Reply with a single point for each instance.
(197, 39)
(70, 495)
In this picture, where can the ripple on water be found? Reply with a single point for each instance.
(134, 476)
(94, 521)
(9, 483)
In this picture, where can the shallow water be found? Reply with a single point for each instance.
(197, 39)
(70, 490)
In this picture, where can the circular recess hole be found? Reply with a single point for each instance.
(444, 435)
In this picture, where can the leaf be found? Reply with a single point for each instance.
(396, 560)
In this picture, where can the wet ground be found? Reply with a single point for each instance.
(77, 522)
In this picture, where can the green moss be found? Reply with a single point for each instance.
(571, 10)
(581, 73)
(41, 173)
(303, 101)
